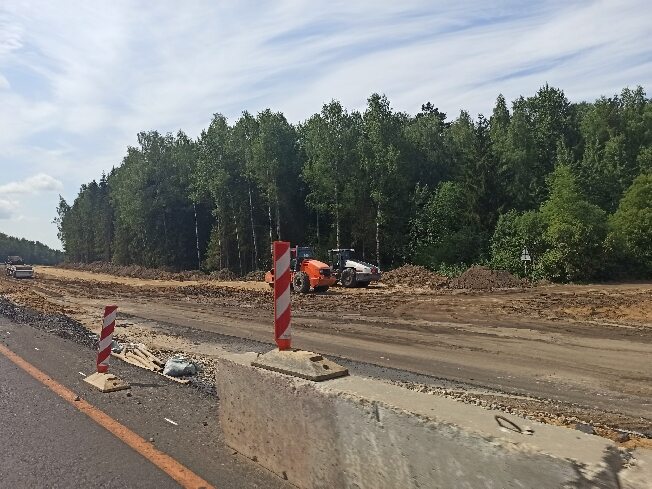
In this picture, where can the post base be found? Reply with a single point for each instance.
(299, 363)
(106, 382)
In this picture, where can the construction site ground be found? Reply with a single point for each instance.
(561, 354)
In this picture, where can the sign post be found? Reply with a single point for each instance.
(525, 258)
(102, 379)
(282, 295)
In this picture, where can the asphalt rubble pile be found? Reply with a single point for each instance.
(57, 324)
(414, 276)
(482, 278)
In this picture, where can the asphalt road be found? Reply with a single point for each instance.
(46, 442)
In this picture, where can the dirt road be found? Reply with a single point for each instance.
(558, 353)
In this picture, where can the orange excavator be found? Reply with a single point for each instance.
(307, 272)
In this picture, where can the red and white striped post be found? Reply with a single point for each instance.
(282, 295)
(106, 338)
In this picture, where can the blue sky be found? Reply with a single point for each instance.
(79, 80)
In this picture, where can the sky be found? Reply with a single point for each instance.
(80, 79)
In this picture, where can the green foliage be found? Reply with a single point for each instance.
(630, 228)
(514, 232)
(444, 232)
(32, 252)
(398, 188)
(574, 230)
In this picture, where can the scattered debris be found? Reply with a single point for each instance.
(179, 366)
(585, 428)
(137, 354)
(171, 422)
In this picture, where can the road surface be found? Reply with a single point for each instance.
(46, 442)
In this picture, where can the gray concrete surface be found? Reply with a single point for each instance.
(360, 433)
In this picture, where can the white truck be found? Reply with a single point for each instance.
(15, 267)
(351, 272)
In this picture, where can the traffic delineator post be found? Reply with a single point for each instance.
(106, 338)
(282, 295)
(101, 379)
(286, 360)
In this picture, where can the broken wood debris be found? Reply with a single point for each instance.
(137, 354)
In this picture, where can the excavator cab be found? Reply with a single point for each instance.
(301, 253)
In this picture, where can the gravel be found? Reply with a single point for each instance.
(57, 324)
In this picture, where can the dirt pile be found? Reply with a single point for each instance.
(255, 276)
(222, 275)
(134, 271)
(415, 276)
(482, 278)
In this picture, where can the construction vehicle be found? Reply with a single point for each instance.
(15, 267)
(351, 272)
(306, 272)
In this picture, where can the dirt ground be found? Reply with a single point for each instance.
(560, 354)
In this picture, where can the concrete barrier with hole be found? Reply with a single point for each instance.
(360, 433)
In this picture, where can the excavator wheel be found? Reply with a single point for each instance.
(363, 285)
(301, 283)
(321, 288)
(348, 278)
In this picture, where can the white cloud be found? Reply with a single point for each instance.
(79, 80)
(32, 185)
(7, 208)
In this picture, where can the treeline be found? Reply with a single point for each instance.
(571, 182)
(32, 252)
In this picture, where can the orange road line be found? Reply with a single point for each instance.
(184, 476)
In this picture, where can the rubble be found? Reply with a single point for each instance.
(57, 324)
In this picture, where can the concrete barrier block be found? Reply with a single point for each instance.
(361, 433)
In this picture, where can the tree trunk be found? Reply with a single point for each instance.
(165, 233)
(237, 241)
(219, 241)
(194, 207)
(278, 218)
(378, 235)
(269, 214)
(337, 218)
(253, 230)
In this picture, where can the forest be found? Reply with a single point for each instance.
(571, 182)
(32, 252)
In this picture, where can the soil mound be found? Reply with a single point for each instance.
(414, 276)
(255, 276)
(222, 275)
(135, 271)
(478, 277)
